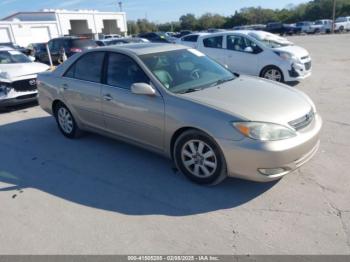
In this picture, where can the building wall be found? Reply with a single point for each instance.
(94, 21)
(24, 33)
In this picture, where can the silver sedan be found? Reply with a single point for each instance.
(176, 101)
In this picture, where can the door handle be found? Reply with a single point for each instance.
(107, 97)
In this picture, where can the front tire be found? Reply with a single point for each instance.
(272, 73)
(66, 122)
(199, 158)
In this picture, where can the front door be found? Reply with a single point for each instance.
(136, 117)
(241, 55)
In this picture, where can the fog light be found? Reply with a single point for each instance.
(273, 171)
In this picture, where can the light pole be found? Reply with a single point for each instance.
(120, 6)
(333, 15)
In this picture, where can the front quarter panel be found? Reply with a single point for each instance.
(184, 113)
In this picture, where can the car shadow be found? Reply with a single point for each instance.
(292, 83)
(106, 174)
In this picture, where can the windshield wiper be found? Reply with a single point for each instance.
(221, 81)
(190, 90)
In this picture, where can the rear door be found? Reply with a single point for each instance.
(136, 117)
(212, 46)
(81, 86)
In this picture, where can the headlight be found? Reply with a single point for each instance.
(287, 56)
(264, 131)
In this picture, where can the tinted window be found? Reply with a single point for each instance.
(213, 42)
(190, 38)
(88, 67)
(123, 71)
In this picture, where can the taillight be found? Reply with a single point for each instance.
(76, 50)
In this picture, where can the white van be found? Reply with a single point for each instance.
(257, 53)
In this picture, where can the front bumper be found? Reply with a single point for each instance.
(245, 158)
(298, 71)
(18, 100)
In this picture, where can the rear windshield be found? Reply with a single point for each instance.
(81, 43)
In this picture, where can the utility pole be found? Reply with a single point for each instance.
(120, 6)
(333, 14)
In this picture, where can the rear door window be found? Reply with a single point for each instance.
(88, 67)
(213, 42)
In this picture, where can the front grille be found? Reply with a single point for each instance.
(303, 121)
(24, 85)
(307, 65)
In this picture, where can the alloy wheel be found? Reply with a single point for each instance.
(199, 158)
(273, 74)
(65, 120)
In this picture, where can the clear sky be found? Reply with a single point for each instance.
(154, 10)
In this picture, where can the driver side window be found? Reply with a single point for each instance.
(242, 44)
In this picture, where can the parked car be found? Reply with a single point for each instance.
(18, 75)
(305, 27)
(111, 36)
(190, 40)
(250, 27)
(257, 53)
(69, 44)
(157, 37)
(37, 50)
(281, 29)
(119, 41)
(342, 24)
(178, 102)
(16, 47)
(322, 26)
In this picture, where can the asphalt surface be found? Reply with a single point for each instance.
(100, 196)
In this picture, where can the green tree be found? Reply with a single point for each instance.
(188, 21)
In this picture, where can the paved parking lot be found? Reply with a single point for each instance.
(99, 196)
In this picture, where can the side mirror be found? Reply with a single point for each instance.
(249, 49)
(143, 89)
(32, 58)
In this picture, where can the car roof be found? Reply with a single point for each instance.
(144, 48)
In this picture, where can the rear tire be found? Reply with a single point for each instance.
(199, 158)
(66, 122)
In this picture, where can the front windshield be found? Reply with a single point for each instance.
(186, 70)
(318, 23)
(340, 20)
(13, 57)
(271, 41)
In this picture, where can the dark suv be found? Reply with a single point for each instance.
(281, 29)
(70, 44)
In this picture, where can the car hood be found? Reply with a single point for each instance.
(13, 71)
(255, 99)
(293, 49)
